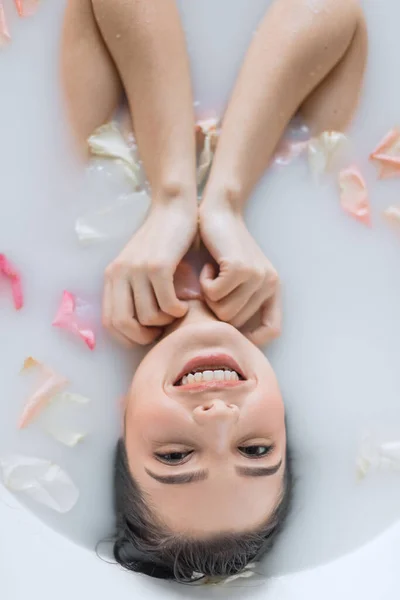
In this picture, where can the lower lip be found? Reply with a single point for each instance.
(210, 385)
(211, 360)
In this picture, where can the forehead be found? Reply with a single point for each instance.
(220, 504)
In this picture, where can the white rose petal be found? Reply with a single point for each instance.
(58, 424)
(114, 221)
(324, 151)
(108, 142)
(41, 480)
(377, 456)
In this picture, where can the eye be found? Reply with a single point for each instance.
(255, 451)
(173, 458)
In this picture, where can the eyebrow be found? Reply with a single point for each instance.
(180, 478)
(194, 476)
(258, 471)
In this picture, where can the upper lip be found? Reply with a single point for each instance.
(209, 361)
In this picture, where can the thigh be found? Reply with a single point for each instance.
(90, 79)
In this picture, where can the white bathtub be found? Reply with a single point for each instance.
(337, 360)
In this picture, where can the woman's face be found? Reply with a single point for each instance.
(207, 449)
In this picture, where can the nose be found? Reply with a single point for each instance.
(216, 411)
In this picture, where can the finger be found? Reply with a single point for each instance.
(208, 273)
(123, 316)
(121, 339)
(107, 316)
(164, 290)
(251, 308)
(215, 288)
(271, 321)
(228, 308)
(147, 310)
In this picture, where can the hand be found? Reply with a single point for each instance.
(246, 283)
(139, 294)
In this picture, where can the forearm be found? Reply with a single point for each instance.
(146, 40)
(295, 49)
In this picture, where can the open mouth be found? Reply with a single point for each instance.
(207, 370)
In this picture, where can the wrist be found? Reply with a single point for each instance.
(178, 199)
(175, 194)
(177, 202)
(224, 195)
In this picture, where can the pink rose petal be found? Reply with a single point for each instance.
(66, 319)
(387, 154)
(9, 271)
(388, 170)
(52, 384)
(26, 8)
(40, 399)
(354, 195)
(5, 36)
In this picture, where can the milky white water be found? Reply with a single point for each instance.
(338, 358)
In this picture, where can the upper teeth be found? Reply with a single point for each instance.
(216, 375)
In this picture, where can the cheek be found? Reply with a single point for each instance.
(268, 407)
(151, 414)
(270, 394)
(144, 410)
(146, 425)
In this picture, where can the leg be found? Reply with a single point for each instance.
(332, 104)
(90, 79)
(306, 55)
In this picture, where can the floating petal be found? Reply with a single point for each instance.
(324, 151)
(72, 397)
(40, 480)
(66, 319)
(56, 423)
(387, 171)
(393, 214)
(200, 579)
(354, 195)
(206, 144)
(388, 150)
(26, 8)
(387, 155)
(5, 36)
(207, 125)
(377, 456)
(247, 572)
(30, 363)
(9, 271)
(86, 233)
(288, 151)
(205, 161)
(67, 438)
(52, 385)
(115, 221)
(108, 142)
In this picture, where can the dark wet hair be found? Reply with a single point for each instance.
(142, 544)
